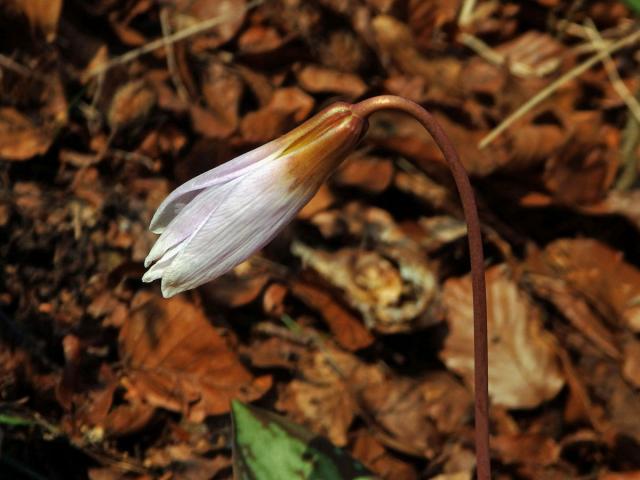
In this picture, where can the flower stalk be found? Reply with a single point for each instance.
(215, 221)
(474, 236)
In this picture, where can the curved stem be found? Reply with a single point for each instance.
(391, 102)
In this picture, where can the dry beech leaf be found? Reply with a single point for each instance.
(523, 368)
(527, 448)
(402, 134)
(176, 360)
(583, 170)
(347, 329)
(322, 200)
(222, 90)
(20, 139)
(184, 460)
(417, 412)
(260, 39)
(368, 173)
(635, 475)
(373, 455)
(631, 365)
(542, 278)
(324, 398)
(412, 413)
(286, 108)
(43, 15)
(131, 104)
(318, 79)
(391, 284)
(440, 230)
(239, 287)
(193, 12)
(600, 275)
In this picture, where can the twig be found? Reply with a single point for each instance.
(164, 41)
(172, 65)
(519, 69)
(630, 141)
(614, 77)
(466, 13)
(551, 88)
(14, 66)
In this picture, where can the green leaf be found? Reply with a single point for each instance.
(634, 4)
(267, 446)
(15, 421)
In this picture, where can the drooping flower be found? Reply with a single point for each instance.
(218, 219)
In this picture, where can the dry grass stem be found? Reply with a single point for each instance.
(164, 41)
(551, 88)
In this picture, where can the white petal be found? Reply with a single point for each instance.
(185, 193)
(157, 270)
(252, 214)
(190, 219)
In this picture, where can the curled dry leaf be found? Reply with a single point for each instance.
(527, 448)
(192, 12)
(347, 330)
(583, 170)
(176, 360)
(402, 134)
(631, 365)
(131, 104)
(318, 79)
(523, 368)
(392, 284)
(287, 107)
(412, 414)
(368, 173)
(373, 455)
(20, 138)
(325, 397)
(541, 278)
(43, 15)
(599, 275)
(240, 287)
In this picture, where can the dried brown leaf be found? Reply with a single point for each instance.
(131, 104)
(20, 138)
(527, 448)
(523, 368)
(600, 275)
(368, 173)
(176, 360)
(347, 330)
(43, 15)
(373, 454)
(287, 107)
(317, 79)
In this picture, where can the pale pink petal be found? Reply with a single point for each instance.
(185, 193)
(158, 268)
(191, 217)
(248, 219)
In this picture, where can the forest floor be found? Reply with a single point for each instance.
(356, 320)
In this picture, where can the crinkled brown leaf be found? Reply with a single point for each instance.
(324, 80)
(523, 368)
(20, 138)
(347, 330)
(392, 284)
(368, 173)
(600, 275)
(176, 360)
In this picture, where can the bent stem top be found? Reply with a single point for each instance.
(391, 102)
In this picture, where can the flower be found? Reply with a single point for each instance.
(218, 219)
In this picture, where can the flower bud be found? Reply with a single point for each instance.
(218, 219)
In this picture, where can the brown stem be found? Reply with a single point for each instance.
(391, 102)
